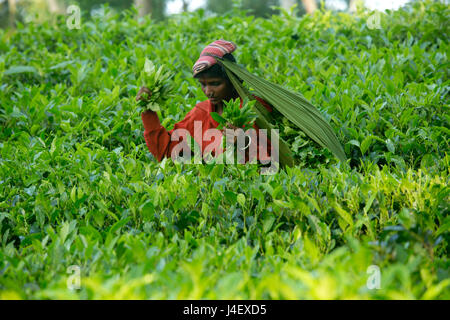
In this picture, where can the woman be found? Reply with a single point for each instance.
(217, 87)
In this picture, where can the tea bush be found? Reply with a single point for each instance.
(79, 187)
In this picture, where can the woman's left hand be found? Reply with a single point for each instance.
(231, 133)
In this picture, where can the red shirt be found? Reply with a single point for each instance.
(158, 139)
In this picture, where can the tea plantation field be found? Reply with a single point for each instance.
(80, 194)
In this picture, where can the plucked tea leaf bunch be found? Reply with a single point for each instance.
(157, 79)
(235, 115)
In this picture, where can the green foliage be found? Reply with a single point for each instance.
(260, 8)
(79, 187)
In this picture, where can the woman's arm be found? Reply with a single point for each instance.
(157, 138)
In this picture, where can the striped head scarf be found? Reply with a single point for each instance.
(217, 48)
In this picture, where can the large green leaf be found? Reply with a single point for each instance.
(293, 106)
(20, 69)
(262, 121)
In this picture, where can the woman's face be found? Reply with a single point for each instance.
(217, 89)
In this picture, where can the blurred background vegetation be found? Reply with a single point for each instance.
(23, 11)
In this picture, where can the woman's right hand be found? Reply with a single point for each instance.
(142, 91)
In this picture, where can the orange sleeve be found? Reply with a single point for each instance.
(157, 138)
